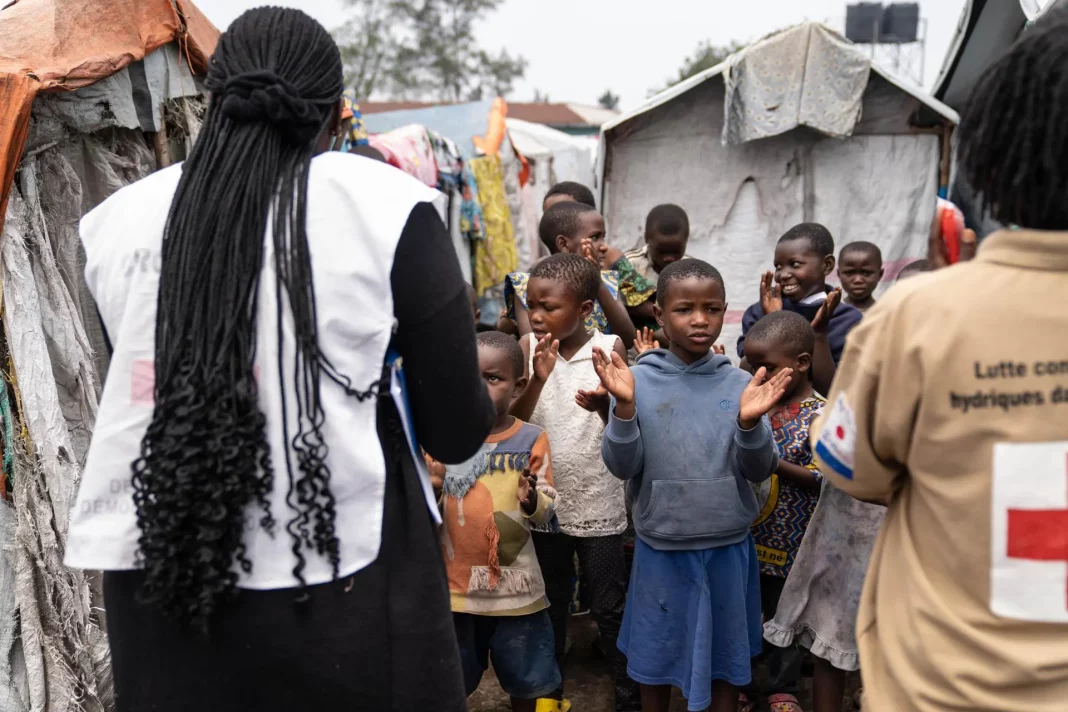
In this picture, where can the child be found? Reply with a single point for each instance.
(804, 257)
(590, 505)
(488, 505)
(780, 341)
(860, 269)
(568, 191)
(575, 228)
(687, 432)
(667, 232)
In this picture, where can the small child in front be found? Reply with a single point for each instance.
(563, 397)
(860, 269)
(780, 341)
(688, 432)
(488, 505)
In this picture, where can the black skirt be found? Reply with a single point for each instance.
(381, 639)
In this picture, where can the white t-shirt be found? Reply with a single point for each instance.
(357, 209)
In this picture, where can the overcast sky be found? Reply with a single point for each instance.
(578, 48)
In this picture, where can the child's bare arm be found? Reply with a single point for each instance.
(616, 315)
(823, 366)
(797, 475)
(544, 360)
(522, 319)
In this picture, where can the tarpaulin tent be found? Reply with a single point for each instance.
(800, 126)
(83, 87)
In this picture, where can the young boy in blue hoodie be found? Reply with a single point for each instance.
(687, 431)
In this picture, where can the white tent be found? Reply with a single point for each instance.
(798, 127)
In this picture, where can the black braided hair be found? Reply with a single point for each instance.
(275, 83)
(1014, 131)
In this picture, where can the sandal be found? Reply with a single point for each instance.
(784, 703)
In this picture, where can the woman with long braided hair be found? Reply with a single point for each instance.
(250, 492)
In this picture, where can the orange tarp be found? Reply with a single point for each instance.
(60, 45)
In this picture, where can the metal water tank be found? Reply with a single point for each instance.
(901, 23)
(864, 22)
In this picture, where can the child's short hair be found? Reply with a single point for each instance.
(561, 219)
(684, 269)
(784, 330)
(576, 191)
(577, 273)
(914, 268)
(506, 344)
(818, 237)
(667, 219)
(865, 248)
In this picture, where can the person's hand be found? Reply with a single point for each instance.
(720, 349)
(615, 375)
(770, 294)
(545, 357)
(760, 396)
(593, 401)
(822, 320)
(612, 255)
(938, 251)
(644, 340)
(528, 491)
(590, 253)
(506, 325)
(437, 472)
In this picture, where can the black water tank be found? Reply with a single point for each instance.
(863, 22)
(901, 23)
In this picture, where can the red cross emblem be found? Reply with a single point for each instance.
(1039, 535)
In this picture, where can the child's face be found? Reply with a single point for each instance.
(860, 273)
(591, 227)
(761, 354)
(799, 270)
(692, 316)
(498, 373)
(554, 309)
(665, 249)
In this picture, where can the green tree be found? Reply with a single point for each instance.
(609, 100)
(704, 57)
(369, 44)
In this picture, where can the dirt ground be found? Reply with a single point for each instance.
(589, 685)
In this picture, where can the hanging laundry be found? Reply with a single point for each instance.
(357, 135)
(471, 209)
(447, 157)
(409, 149)
(495, 256)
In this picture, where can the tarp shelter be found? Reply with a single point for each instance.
(87, 90)
(798, 127)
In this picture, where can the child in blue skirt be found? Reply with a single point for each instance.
(688, 432)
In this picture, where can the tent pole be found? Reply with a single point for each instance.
(160, 148)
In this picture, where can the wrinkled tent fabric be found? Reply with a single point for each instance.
(61, 45)
(79, 84)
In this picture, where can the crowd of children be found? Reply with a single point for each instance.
(743, 554)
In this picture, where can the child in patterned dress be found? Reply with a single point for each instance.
(779, 341)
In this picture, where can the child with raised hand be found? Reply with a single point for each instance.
(688, 432)
(488, 506)
(590, 504)
(576, 228)
(785, 341)
(804, 258)
(860, 269)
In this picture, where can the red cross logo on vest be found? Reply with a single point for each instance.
(1029, 532)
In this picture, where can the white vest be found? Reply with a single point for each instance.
(357, 209)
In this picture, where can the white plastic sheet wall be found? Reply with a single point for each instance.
(741, 199)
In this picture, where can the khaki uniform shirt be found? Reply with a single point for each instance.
(951, 403)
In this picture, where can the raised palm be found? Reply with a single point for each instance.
(760, 396)
(770, 294)
(545, 357)
(615, 375)
(822, 320)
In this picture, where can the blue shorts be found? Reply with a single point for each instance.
(521, 647)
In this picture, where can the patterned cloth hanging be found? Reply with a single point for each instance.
(495, 256)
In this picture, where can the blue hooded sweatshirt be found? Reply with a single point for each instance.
(842, 322)
(686, 460)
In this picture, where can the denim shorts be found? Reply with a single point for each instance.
(521, 648)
